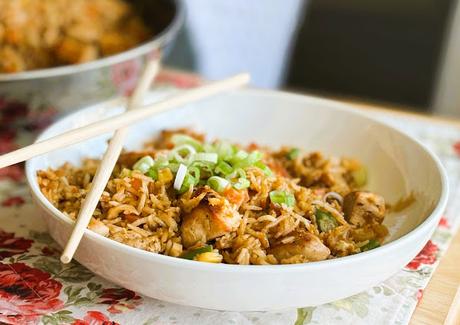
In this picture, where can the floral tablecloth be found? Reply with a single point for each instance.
(36, 288)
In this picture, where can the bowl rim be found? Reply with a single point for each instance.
(163, 37)
(424, 226)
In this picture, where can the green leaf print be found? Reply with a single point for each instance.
(41, 237)
(94, 286)
(383, 289)
(304, 315)
(72, 294)
(357, 304)
(441, 237)
(75, 273)
(58, 318)
(377, 290)
(83, 301)
(387, 291)
(49, 265)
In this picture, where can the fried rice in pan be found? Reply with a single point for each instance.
(225, 203)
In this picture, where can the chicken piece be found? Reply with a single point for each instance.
(362, 208)
(305, 244)
(99, 227)
(206, 222)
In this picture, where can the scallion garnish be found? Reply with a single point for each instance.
(125, 172)
(180, 139)
(223, 168)
(293, 154)
(224, 150)
(360, 176)
(217, 183)
(241, 184)
(161, 161)
(180, 176)
(370, 245)
(219, 165)
(282, 197)
(181, 153)
(153, 173)
(210, 157)
(174, 167)
(241, 154)
(144, 164)
(253, 157)
(195, 172)
(267, 171)
(189, 181)
(239, 172)
(190, 255)
(325, 220)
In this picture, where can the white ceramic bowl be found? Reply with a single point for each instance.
(397, 164)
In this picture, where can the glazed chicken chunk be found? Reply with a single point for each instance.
(305, 244)
(206, 222)
(362, 208)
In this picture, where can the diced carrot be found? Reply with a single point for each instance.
(136, 183)
(278, 168)
(234, 196)
(253, 146)
(131, 217)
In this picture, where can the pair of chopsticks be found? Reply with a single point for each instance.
(133, 114)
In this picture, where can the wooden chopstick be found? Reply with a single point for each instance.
(106, 166)
(125, 119)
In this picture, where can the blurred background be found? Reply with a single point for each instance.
(402, 54)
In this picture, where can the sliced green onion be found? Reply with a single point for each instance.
(208, 147)
(181, 153)
(153, 173)
(253, 157)
(180, 176)
(267, 171)
(293, 154)
(241, 154)
(238, 157)
(325, 221)
(223, 168)
(241, 184)
(174, 167)
(249, 160)
(224, 150)
(205, 167)
(144, 164)
(370, 245)
(191, 254)
(282, 197)
(125, 172)
(360, 176)
(195, 172)
(189, 181)
(161, 162)
(180, 139)
(239, 172)
(204, 156)
(217, 183)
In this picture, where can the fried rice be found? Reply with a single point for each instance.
(37, 34)
(224, 203)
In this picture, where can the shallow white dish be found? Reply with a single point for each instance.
(397, 165)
